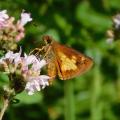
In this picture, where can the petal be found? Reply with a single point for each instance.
(37, 65)
(30, 92)
(42, 63)
(45, 77)
(36, 83)
(25, 17)
(30, 59)
(29, 88)
(3, 15)
(12, 56)
(8, 54)
(37, 86)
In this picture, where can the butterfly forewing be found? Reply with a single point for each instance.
(69, 62)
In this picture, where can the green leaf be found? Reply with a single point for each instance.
(29, 99)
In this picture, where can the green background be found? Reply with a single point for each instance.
(82, 25)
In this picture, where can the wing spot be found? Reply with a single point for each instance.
(67, 63)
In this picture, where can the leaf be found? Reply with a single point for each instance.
(27, 99)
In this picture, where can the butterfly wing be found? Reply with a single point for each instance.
(52, 71)
(51, 60)
(69, 62)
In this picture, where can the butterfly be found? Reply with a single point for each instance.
(64, 61)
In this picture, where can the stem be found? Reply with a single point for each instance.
(118, 82)
(69, 100)
(5, 105)
(96, 103)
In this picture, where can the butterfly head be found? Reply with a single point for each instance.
(47, 39)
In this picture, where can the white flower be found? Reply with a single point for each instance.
(36, 84)
(35, 81)
(30, 59)
(3, 18)
(25, 17)
(38, 64)
(11, 56)
(116, 20)
(3, 15)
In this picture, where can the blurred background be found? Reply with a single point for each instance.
(82, 25)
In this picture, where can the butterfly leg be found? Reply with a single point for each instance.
(36, 51)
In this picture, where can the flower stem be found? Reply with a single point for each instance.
(69, 100)
(5, 105)
(96, 103)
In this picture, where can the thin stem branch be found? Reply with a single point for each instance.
(5, 105)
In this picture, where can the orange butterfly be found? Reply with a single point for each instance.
(64, 61)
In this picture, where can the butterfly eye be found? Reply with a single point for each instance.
(47, 39)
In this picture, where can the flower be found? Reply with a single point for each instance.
(116, 21)
(3, 18)
(11, 57)
(29, 67)
(36, 84)
(3, 15)
(110, 36)
(25, 17)
(14, 31)
(35, 81)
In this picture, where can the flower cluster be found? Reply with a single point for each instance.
(29, 67)
(23, 71)
(10, 31)
(114, 33)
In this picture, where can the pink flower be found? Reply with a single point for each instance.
(12, 27)
(25, 18)
(20, 36)
(30, 68)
